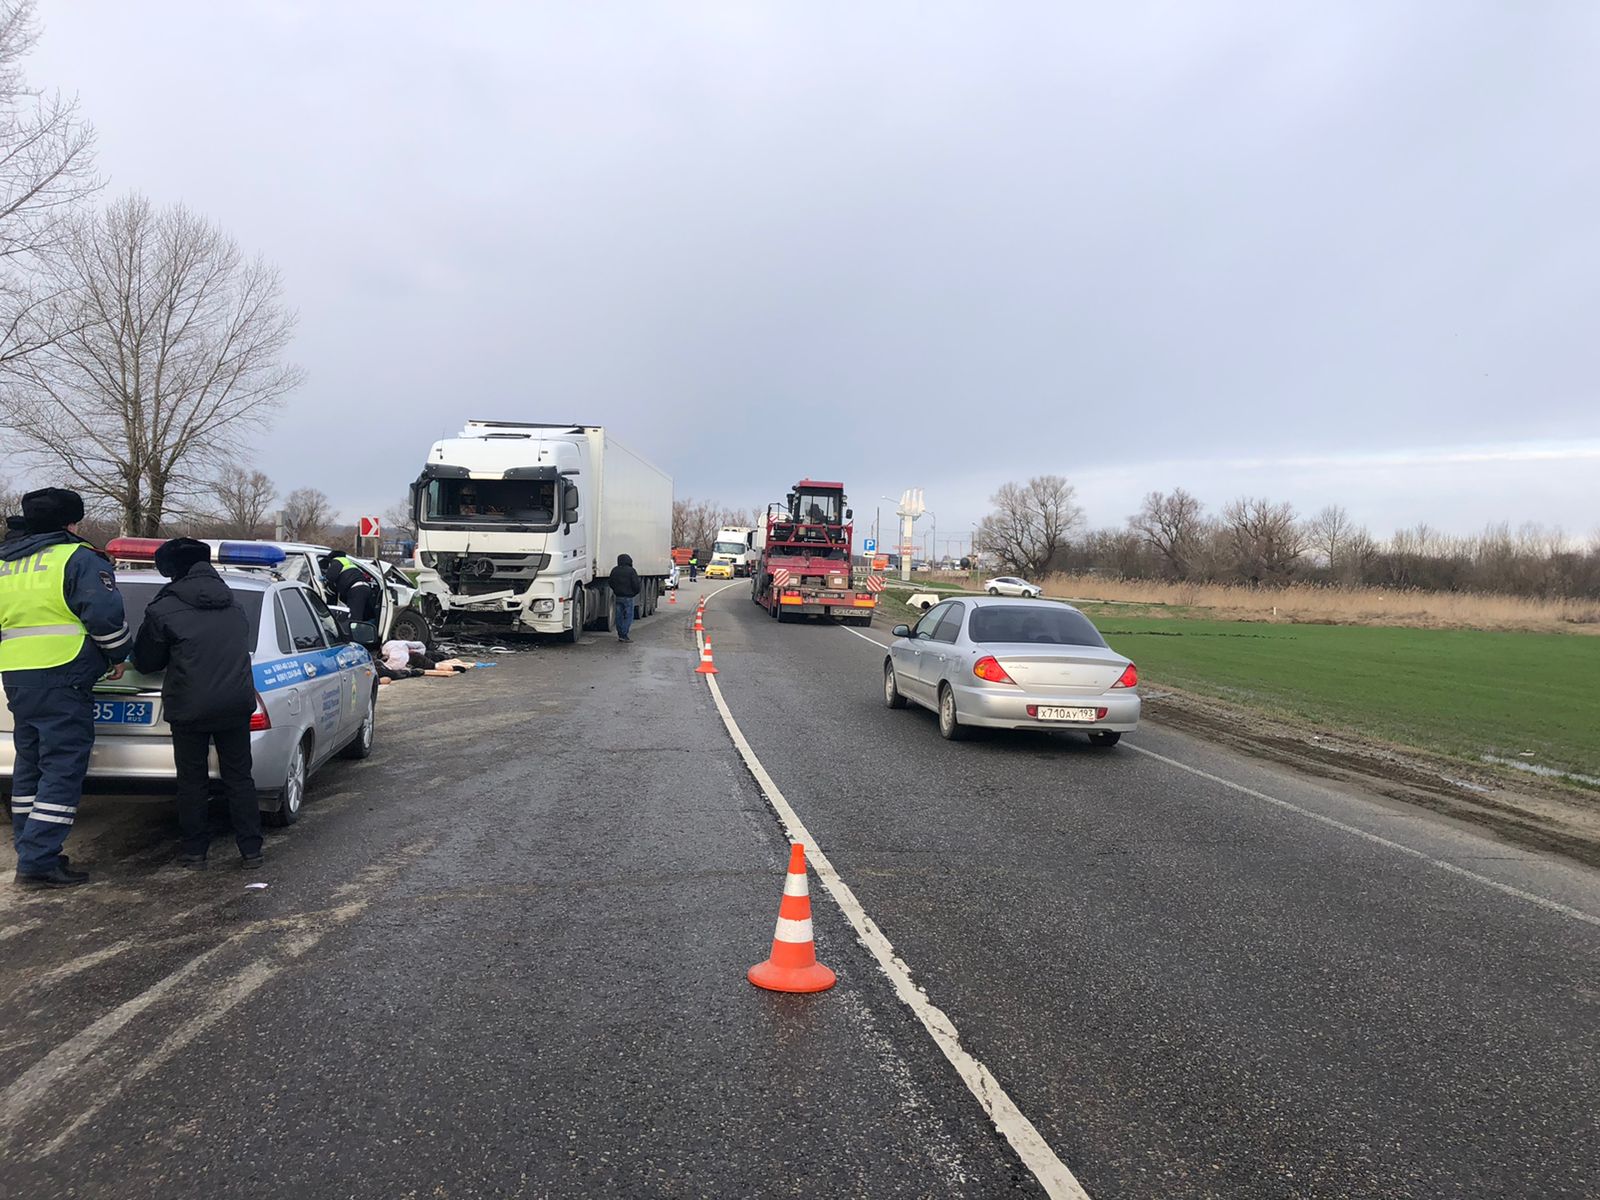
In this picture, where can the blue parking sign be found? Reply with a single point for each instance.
(869, 545)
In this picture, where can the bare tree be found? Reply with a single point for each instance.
(1328, 534)
(173, 356)
(244, 499)
(695, 522)
(308, 516)
(1030, 523)
(1172, 526)
(1266, 538)
(46, 171)
(400, 520)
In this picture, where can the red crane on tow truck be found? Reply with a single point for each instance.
(805, 564)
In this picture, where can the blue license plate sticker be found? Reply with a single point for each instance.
(124, 712)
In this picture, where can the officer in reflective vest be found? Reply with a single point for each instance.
(62, 626)
(351, 586)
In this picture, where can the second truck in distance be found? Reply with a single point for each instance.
(805, 564)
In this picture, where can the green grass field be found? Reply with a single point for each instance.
(1461, 692)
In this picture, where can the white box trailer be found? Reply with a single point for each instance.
(519, 525)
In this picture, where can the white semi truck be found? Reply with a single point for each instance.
(736, 547)
(519, 525)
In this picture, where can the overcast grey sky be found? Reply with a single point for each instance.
(1338, 252)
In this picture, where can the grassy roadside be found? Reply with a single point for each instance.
(1528, 697)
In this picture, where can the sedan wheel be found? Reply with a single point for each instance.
(994, 591)
(362, 746)
(950, 728)
(891, 688)
(294, 790)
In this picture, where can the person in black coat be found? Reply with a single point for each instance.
(196, 632)
(625, 589)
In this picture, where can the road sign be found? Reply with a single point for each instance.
(870, 545)
(368, 527)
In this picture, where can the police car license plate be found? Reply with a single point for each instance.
(124, 712)
(1051, 713)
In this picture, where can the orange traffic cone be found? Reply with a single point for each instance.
(706, 667)
(793, 966)
(673, 599)
(699, 624)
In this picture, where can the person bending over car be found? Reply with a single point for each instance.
(196, 632)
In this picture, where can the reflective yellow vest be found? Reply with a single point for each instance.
(37, 629)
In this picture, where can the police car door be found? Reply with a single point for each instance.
(318, 657)
(386, 602)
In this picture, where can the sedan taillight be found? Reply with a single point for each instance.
(989, 668)
(259, 721)
(1130, 677)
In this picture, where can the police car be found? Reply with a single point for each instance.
(316, 687)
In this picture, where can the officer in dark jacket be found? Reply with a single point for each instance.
(61, 626)
(625, 589)
(195, 631)
(16, 526)
(351, 586)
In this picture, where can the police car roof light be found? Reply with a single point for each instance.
(134, 549)
(249, 554)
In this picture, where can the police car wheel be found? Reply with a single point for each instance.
(361, 747)
(293, 795)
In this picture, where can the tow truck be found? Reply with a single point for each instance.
(805, 566)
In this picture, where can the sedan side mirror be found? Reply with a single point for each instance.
(901, 631)
(364, 633)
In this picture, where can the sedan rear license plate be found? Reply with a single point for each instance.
(124, 712)
(1051, 713)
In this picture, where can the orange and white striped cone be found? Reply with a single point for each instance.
(793, 966)
(706, 667)
(699, 623)
(673, 599)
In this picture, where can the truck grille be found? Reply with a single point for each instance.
(479, 574)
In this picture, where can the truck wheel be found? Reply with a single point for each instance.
(570, 636)
(411, 626)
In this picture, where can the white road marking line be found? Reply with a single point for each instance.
(1555, 906)
(1566, 910)
(1009, 1121)
(865, 638)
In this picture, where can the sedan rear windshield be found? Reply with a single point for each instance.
(1043, 625)
(137, 593)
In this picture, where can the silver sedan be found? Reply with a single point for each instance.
(1012, 664)
(1010, 585)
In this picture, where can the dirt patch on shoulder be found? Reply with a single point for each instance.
(1543, 816)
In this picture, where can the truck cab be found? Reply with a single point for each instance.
(735, 547)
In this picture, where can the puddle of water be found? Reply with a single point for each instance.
(1544, 772)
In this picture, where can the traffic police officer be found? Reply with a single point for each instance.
(61, 626)
(352, 586)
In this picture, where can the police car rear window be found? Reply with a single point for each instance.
(137, 593)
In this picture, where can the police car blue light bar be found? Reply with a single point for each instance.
(249, 554)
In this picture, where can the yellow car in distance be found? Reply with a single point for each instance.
(719, 571)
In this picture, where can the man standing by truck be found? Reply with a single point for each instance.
(625, 587)
(61, 626)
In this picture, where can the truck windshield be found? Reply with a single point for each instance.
(490, 501)
(729, 548)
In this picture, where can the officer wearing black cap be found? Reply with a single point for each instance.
(62, 627)
(196, 632)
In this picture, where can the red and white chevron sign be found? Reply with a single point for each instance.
(874, 583)
(780, 577)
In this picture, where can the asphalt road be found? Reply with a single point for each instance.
(505, 957)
